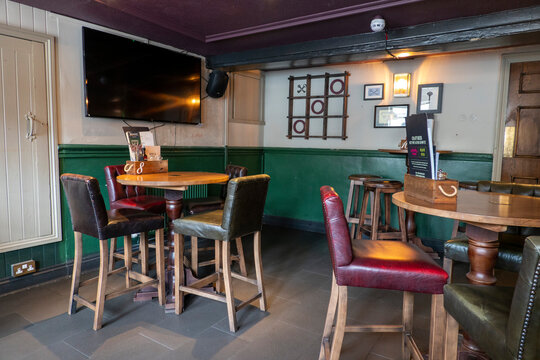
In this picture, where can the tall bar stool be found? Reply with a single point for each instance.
(357, 181)
(90, 217)
(378, 231)
(389, 265)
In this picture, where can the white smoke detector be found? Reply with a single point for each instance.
(377, 24)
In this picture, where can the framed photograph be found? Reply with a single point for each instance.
(429, 98)
(373, 91)
(390, 116)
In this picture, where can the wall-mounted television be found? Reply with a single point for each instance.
(130, 80)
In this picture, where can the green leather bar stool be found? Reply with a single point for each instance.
(503, 321)
(352, 211)
(378, 230)
(242, 215)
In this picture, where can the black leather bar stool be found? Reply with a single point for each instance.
(241, 216)
(200, 205)
(90, 217)
(377, 230)
(351, 212)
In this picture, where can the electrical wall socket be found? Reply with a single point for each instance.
(23, 268)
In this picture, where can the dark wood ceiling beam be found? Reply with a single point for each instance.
(509, 28)
(309, 19)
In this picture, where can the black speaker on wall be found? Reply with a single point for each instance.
(217, 83)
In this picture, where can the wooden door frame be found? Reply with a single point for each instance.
(502, 101)
(48, 42)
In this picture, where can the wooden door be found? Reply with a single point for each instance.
(25, 170)
(521, 158)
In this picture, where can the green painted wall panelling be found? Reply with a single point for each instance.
(297, 175)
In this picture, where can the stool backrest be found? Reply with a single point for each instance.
(244, 205)
(86, 205)
(116, 190)
(234, 171)
(337, 229)
(523, 329)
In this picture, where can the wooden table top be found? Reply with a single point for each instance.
(480, 208)
(173, 180)
(405, 151)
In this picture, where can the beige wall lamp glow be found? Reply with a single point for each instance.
(402, 84)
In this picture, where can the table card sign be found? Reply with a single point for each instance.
(422, 158)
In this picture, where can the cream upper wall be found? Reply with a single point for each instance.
(467, 122)
(73, 126)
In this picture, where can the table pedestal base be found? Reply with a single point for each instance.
(483, 251)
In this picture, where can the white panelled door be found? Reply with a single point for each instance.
(27, 190)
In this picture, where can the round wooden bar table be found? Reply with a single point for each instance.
(486, 214)
(174, 183)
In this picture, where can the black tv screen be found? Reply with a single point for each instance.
(127, 79)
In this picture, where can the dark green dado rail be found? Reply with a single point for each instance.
(293, 197)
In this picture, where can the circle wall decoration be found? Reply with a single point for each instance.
(318, 106)
(320, 111)
(341, 86)
(302, 123)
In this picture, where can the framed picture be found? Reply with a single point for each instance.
(390, 116)
(429, 98)
(373, 91)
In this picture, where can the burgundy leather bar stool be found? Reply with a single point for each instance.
(390, 265)
(200, 205)
(130, 197)
(356, 182)
(377, 230)
(90, 217)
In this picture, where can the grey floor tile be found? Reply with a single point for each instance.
(210, 344)
(129, 345)
(18, 345)
(62, 326)
(11, 323)
(279, 340)
(56, 351)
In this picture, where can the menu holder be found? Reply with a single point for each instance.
(433, 191)
(146, 167)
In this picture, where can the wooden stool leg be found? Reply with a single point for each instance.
(102, 283)
(195, 255)
(217, 264)
(160, 265)
(143, 246)
(349, 200)
(408, 310)
(241, 259)
(363, 212)
(437, 327)
(76, 277)
(356, 198)
(455, 228)
(451, 338)
(128, 261)
(387, 212)
(329, 323)
(376, 215)
(402, 226)
(339, 332)
(448, 266)
(111, 254)
(229, 296)
(259, 269)
(178, 272)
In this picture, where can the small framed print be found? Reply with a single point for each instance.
(390, 116)
(429, 98)
(373, 91)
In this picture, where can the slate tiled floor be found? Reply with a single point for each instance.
(34, 323)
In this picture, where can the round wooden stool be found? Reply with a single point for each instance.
(357, 180)
(378, 231)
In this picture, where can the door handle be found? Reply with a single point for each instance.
(30, 129)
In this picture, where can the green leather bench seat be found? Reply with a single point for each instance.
(482, 311)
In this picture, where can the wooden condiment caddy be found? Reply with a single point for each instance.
(146, 167)
(433, 191)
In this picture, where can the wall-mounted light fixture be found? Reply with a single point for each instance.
(402, 85)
